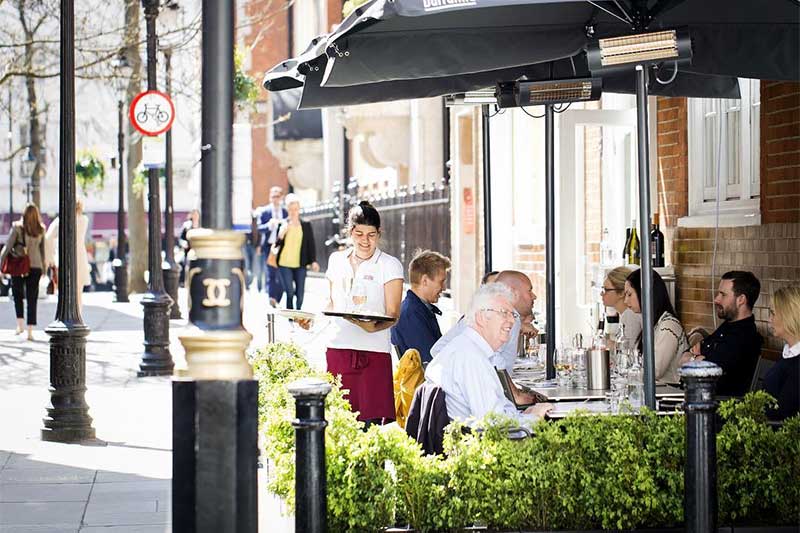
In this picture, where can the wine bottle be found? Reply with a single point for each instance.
(656, 244)
(627, 243)
(633, 246)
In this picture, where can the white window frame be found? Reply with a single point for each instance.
(745, 210)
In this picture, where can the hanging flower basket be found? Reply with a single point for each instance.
(90, 173)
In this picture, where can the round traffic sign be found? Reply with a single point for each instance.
(152, 113)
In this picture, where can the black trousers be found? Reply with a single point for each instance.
(27, 286)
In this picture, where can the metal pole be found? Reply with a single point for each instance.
(120, 263)
(642, 130)
(215, 483)
(68, 417)
(10, 160)
(217, 116)
(700, 475)
(487, 191)
(170, 267)
(445, 141)
(550, 238)
(156, 360)
(311, 498)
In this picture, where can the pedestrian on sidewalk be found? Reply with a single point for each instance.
(192, 221)
(298, 252)
(26, 238)
(271, 217)
(83, 268)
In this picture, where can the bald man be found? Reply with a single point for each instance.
(503, 358)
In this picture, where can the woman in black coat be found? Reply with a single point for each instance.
(297, 252)
(783, 379)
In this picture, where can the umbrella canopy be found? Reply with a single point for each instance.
(389, 40)
(308, 74)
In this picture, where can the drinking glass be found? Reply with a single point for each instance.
(579, 375)
(358, 294)
(564, 366)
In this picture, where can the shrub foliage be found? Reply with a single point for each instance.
(584, 472)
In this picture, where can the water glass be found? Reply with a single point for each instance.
(612, 398)
(579, 374)
(358, 295)
(564, 366)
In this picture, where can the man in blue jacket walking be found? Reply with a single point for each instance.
(271, 217)
(417, 326)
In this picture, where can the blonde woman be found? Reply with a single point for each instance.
(81, 257)
(27, 237)
(783, 379)
(613, 295)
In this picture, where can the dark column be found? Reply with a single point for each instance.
(121, 262)
(156, 360)
(550, 239)
(67, 417)
(700, 475)
(170, 267)
(10, 161)
(214, 477)
(486, 146)
(311, 498)
(643, 141)
(445, 141)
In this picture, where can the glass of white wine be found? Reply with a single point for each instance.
(358, 294)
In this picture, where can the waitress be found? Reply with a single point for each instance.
(365, 278)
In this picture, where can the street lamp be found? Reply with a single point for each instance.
(156, 360)
(122, 73)
(170, 270)
(28, 167)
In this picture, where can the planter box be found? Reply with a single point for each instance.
(725, 529)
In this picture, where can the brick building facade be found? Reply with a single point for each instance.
(771, 250)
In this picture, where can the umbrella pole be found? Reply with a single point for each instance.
(487, 192)
(550, 239)
(642, 129)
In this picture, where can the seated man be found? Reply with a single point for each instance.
(736, 344)
(503, 359)
(463, 368)
(417, 326)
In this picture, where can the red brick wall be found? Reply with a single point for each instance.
(530, 259)
(270, 34)
(780, 152)
(772, 250)
(673, 158)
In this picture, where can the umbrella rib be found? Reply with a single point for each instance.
(616, 16)
(625, 13)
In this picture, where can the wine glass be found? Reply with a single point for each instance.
(358, 294)
(564, 366)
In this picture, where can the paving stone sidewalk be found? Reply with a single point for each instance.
(124, 485)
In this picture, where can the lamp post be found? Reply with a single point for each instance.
(122, 72)
(28, 168)
(156, 360)
(170, 267)
(10, 160)
(68, 417)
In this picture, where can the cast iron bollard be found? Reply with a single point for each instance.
(700, 474)
(270, 327)
(311, 498)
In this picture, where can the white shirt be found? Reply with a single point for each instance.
(791, 351)
(372, 274)
(502, 359)
(633, 325)
(464, 371)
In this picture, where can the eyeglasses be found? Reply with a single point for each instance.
(606, 289)
(513, 315)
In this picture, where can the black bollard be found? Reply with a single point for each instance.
(311, 498)
(700, 474)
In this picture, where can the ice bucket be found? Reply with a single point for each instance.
(597, 369)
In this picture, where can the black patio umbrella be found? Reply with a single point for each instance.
(387, 43)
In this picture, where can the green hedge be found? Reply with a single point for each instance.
(584, 472)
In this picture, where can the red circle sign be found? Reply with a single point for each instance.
(152, 113)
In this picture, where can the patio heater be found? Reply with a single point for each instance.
(641, 51)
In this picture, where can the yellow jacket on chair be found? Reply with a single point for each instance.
(408, 377)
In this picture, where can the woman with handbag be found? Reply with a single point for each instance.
(23, 258)
(296, 252)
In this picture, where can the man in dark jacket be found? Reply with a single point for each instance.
(417, 326)
(736, 344)
(270, 220)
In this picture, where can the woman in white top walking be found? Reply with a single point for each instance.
(81, 257)
(370, 280)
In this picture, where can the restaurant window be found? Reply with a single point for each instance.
(724, 157)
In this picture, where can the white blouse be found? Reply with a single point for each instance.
(372, 275)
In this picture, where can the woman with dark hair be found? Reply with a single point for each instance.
(365, 279)
(26, 238)
(669, 338)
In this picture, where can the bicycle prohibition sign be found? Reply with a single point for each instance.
(152, 113)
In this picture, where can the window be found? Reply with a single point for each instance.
(724, 157)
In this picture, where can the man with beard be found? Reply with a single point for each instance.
(736, 345)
